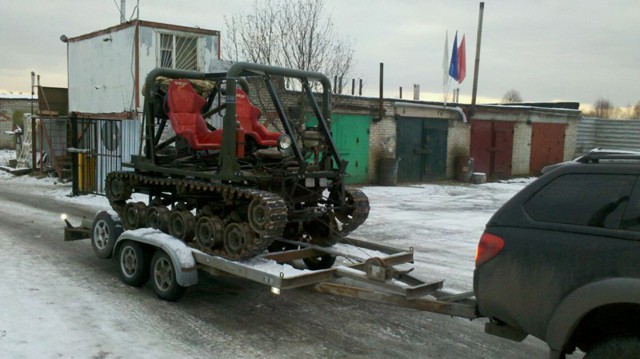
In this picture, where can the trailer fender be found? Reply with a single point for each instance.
(181, 255)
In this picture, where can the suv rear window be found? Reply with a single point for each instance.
(597, 200)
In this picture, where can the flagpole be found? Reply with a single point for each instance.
(445, 69)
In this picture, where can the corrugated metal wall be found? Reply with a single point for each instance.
(612, 134)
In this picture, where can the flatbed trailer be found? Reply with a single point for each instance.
(364, 270)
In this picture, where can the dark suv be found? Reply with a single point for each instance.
(561, 259)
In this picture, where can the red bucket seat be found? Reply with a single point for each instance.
(184, 111)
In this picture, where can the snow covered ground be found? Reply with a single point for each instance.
(441, 222)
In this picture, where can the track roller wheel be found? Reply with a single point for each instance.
(236, 238)
(182, 225)
(135, 215)
(117, 189)
(209, 232)
(258, 215)
(158, 218)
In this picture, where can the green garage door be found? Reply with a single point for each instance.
(422, 149)
(351, 136)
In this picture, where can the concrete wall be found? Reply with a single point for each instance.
(9, 104)
(6, 141)
(458, 144)
(521, 149)
(571, 140)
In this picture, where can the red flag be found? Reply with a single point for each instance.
(462, 61)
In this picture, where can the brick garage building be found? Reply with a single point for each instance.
(426, 138)
(516, 141)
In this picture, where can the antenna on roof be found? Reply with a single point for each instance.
(123, 4)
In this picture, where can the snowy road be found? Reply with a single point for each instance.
(57, 300)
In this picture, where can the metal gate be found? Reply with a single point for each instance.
(102, 146)
(547, 145)
(492, 147)
(421, 149)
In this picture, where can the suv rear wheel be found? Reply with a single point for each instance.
(619, 348)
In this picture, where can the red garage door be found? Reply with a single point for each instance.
(547, 145)
(492, 147)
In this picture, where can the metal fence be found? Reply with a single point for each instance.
(603, 133)
(102, 146)
(51, 145)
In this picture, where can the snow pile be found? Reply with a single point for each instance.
(355, 252)
(272, 267)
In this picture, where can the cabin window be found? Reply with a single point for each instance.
(178, 52)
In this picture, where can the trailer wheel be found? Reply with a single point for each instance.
(621, 348)
(320, 262)
(164, 277)
(133, 264)
(104, 232)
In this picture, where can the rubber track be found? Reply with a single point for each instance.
(273, 203)
(360, 212)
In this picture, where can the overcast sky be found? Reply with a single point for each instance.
(548, 50)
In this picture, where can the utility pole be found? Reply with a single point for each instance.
(477, 62)
(33, 123)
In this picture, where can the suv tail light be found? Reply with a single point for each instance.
(490, 245)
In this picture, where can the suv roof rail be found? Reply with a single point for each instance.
(602, 154)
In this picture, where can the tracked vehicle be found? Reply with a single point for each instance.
(231, 191)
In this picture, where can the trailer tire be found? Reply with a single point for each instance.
(620, 348)
(104, 232)
(163, 277)
(133, 264)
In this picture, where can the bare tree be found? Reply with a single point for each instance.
(636, 110)
(296, 34)
(603, 108)
(512, 96)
